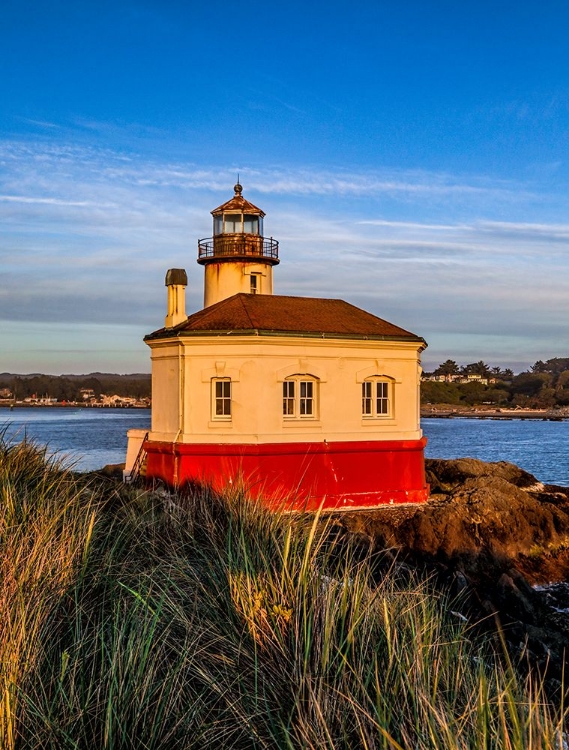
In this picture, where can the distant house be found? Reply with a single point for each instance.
(118, 401)
(471, 378)
(308, 402)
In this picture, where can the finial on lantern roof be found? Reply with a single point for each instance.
(237, 187)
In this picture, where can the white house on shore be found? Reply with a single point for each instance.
(308, 402)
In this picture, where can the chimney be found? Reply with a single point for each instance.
(176, 282)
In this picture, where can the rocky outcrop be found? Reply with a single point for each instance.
(482, 517)
(490, 531)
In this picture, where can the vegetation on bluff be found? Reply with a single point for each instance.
(131, 619)
(545, 385)
(69, 387)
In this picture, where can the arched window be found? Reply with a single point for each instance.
(377, 397)
(300, 397)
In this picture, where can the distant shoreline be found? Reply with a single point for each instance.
(11, 405)
(446, 412)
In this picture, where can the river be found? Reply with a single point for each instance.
(92, 438)
(540, 447)
(87, 439)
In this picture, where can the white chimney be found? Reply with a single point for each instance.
(176, 282)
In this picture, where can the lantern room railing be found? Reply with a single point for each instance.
(238, 246)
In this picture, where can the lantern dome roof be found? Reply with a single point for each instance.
(237, 203)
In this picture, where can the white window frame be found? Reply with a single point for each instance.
(255, 283)
(300, 397)
(221, 399)
(377, 398)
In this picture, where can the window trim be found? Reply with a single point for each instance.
(387, 397)
(223, 399)
(254, 282)
(298, 397)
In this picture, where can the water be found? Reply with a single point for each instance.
(92, 438)
(542, 448)
(88, 438)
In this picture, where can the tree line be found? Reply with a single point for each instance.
(69, 387)
(544, 385)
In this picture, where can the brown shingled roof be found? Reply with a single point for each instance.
(271, 314)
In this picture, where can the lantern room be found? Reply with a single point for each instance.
(238, 258)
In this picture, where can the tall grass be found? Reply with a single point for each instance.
(131, 619)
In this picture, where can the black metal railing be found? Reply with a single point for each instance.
(238, 246)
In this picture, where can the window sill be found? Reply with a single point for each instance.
(374, 421)
(307, 423)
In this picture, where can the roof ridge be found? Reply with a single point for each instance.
(287, 315)
(373, 315)
(242, 297)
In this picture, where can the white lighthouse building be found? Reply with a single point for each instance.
(308, 402)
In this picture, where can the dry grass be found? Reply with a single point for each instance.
(138, 620)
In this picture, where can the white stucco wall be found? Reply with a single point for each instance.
(224, 279)
(182, 373)
(167, 388)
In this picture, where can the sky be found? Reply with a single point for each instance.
(411, 157)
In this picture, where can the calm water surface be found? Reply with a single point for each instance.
(88, 438)
(92, 438)
(542, 448)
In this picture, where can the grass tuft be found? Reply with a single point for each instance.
(131, 619)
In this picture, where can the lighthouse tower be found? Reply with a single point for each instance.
(237, 258)
(308, 402)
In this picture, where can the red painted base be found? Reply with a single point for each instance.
(300, 476)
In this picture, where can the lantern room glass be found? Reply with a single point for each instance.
(251, 224)
(233, 224)
(237, 224)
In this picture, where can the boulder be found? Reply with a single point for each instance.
(487, 517)
(489, 531)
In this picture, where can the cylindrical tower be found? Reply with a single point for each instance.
(237, 258)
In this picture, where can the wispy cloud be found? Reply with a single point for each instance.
(86, 235)
(136, 170)
(43, 201)
(41, 123)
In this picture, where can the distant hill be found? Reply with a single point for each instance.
(69, 387)
(75, 377)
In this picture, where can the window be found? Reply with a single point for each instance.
(376, 398)
(254, 283)
(237, 223)
(288, 398)
(221, 398)
(299, 397)
(251, 224)
(233, 223)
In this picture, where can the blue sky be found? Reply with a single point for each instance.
(412, 158)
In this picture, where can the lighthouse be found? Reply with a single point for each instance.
(237, 258)
(305, 402)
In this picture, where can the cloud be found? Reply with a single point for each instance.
(86, 235)
(42, 201)
(40, 123)
(133, 170)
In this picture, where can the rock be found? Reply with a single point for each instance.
(480, 514)
(511, 599)
(446, 474)
(489, 531)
